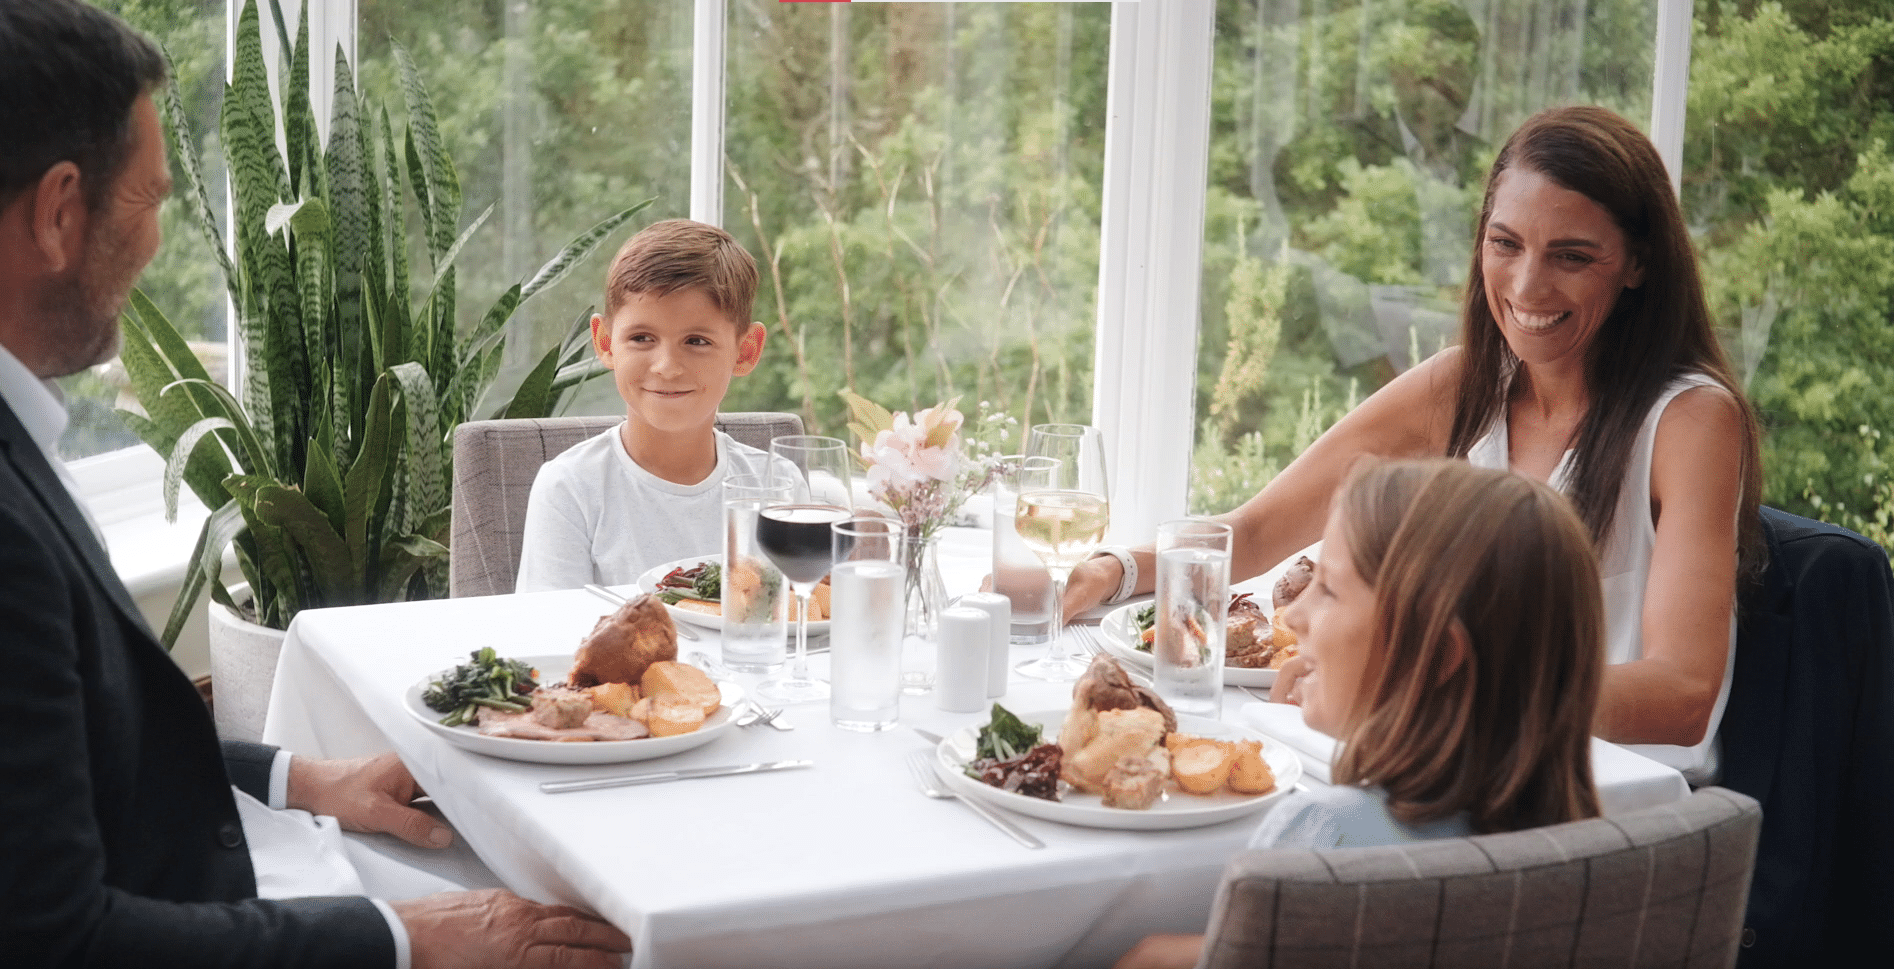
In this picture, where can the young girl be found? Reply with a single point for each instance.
(1455, 639)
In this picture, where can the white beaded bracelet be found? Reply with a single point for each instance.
(1130, 580)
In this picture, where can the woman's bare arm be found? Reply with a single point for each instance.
(1696, 476)
(1410, 417)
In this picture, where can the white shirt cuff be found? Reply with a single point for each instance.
(403, 953)
(279, 783)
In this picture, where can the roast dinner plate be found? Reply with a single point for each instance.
(1174, 810)
(648, 582)
(553, 669)
(1121, 635)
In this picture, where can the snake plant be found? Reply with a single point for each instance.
(328, 471)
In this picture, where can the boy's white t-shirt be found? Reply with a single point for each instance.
(596, 516)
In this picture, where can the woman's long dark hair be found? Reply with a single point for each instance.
(1656, 332)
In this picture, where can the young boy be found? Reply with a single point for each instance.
(676, 329)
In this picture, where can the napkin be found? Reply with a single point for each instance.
(1283, 721)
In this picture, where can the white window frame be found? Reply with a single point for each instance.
(1151, 239)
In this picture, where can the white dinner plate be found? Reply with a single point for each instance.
(648, 582)
(1174, 810)
(552, 669)
(1121, 640)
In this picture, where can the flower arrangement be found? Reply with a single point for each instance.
(918, 467)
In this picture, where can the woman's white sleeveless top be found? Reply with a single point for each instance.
(1625, 566)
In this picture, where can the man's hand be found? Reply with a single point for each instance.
(1093, 580)
(496, 928)
(1163, 952)
(1287, 679)
(370, 794)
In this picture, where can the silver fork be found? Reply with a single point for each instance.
(765, 715)
(921, 765)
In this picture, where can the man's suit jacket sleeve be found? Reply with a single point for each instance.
(61, 900)
(249, 766)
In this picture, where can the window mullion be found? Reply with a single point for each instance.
(1670, 86)
(1157, 145)
(707, 111)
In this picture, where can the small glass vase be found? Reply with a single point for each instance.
(926, 593)
(926, 598)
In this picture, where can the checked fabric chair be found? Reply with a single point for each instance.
(494, 466)
(1663, 886)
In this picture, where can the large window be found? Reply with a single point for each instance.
(920, 184)
(1349, 143)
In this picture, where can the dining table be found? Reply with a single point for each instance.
(842, 864)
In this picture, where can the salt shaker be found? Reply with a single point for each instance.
(961, 673)
(999, 610)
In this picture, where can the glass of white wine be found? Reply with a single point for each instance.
(1063, 511)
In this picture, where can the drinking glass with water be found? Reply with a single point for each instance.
(1193, 602)
(755, 593)
(867, 618)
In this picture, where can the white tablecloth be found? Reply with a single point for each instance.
(841, 865)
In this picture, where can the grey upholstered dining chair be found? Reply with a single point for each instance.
(494, 466)
(1663, 886)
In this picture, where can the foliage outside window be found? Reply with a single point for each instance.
(556, 111)
(1348, 146)
(920, 184)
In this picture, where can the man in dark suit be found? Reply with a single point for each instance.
(120, 839)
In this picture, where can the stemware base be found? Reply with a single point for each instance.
(789, 689)
(1061, 669)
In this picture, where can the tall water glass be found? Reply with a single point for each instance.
(795, 533)
(1063, 510)
(1017, 572)
(868, 601)
(755, 593)
(1193, 602)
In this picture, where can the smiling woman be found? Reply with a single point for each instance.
(1586, 360)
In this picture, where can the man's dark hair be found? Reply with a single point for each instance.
(69, 76)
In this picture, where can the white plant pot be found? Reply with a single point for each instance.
(242, 668)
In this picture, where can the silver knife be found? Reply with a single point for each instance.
(659, 777)
(992, 817)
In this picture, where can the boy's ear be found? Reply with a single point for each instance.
(602, 337)
(750, 348)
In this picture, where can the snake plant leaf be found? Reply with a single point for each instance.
(308, 216)
(426, 487)
(335, 578)
(281, 23)
(323, 484)
(196, 197)
(299, 123)
(266, 289)
(401, 558)
(274, 575)
(356, 238)
(439, 180)
(219, 403)
(397, 321)
(489, 332)
(534, 397)
(181, 454)
(367, 479)
(575, 251)
(166, 417)
(446, 262)
(205, 567)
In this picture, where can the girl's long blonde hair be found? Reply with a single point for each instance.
(1505, 734)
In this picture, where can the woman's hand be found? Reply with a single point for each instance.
(1163, 952)
(1287, 679)
(496, 928)
(369, 794)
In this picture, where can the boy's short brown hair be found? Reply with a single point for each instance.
(681, 254)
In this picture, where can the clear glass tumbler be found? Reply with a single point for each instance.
(755, 593)
(867, 617)
(1017, 572)
(1193, 602)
